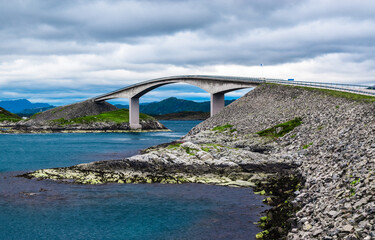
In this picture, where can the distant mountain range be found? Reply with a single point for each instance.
(173, 105)
(24, 107)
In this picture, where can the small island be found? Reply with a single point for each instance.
(86, 116)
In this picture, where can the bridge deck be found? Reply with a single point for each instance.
(354, 88)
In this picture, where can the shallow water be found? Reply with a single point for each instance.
(31, 209)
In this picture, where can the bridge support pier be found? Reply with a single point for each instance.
(217, 103)
(134, 113)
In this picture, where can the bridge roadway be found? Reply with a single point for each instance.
(217, 86)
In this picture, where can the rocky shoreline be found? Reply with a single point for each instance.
(331, 153)
(146, 126)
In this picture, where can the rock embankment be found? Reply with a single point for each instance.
(332, 147)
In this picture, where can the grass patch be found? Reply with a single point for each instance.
(335, 93)
(117, 116)
(190, 151)
(355, 181)
(307, 145)
(352, 192)
(174, 146)
(206, 149)
(281, 129)
(222, 128)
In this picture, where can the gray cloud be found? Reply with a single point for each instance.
(52, 44)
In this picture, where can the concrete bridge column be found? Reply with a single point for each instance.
(217, 103)
(134, 113)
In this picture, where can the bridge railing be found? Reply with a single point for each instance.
(356, 88)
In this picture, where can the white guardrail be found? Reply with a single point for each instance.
(355, 88)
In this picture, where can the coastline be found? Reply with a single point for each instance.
(80, 131)
(331, 149)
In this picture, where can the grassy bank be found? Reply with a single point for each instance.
(118, 116)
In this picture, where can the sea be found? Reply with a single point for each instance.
(45, 209)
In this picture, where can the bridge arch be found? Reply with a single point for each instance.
(217, 86)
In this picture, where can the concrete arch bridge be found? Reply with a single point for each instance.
(217, 86)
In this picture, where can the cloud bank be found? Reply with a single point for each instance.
(65, 51)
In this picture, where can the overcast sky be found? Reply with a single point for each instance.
(65, 51)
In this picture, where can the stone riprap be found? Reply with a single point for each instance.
(333, 149)
(334, 146)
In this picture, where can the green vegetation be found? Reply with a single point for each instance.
(262, 234)
(307, 145)
(206, 149)
(174, 145)
(352, 192)
(117, 116)
(334, 93)
(293, 136)
(223, 128)
(188, 150)
(8, 116)
(280, 188)
(281, 129)
(337, 106)
(348, 95)
(355, 181)
(261, 192)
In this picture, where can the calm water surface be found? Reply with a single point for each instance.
(31, 209)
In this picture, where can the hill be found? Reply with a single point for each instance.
(6, 116)
(17, 106)
(86, 116)
(67, 112)
(173, 105)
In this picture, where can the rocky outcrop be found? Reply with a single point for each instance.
(146, 125)
(333, 150)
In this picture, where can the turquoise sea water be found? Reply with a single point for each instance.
(32, 209)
